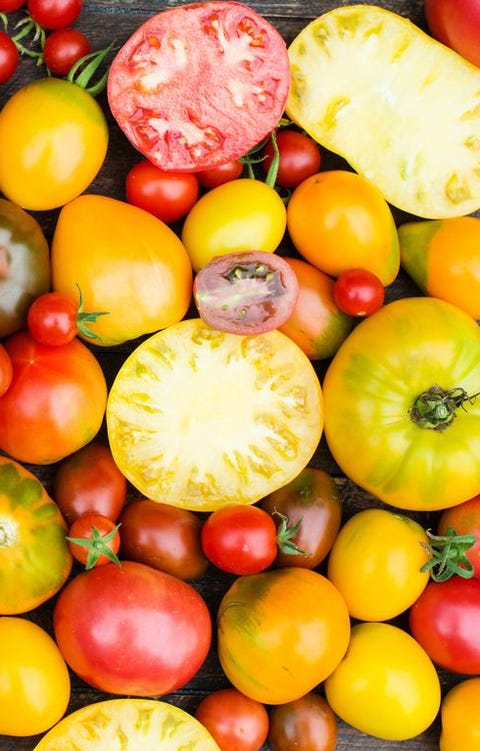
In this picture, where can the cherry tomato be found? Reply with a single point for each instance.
(167, 195)
(63, 48)
(299, 157)
(306, 724)
(223, 173)
(7, 6)
(9, 57)
(358, 292)
(52, 319)
(240, 539)
(456, 23)
(94, 540)
(245, 292)
(236, 722)
(6, 371)
(89, 481)
(54, 14)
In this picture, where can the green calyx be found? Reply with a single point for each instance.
(97, 546)
(85, 318)
(436, 408)
(83, 71)
(27, 27)
(285, 535)
(448, 555)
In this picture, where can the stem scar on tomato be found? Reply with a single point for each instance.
(436, 408)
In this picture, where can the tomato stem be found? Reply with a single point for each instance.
(285, 535)
(97, 546)
(26, 25)
(84, 69)
(449, 555)
(436, 408)
(83, 318)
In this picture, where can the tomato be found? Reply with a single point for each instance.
(246, 292)
(167, 195)
(48, 122)
(223, 84)
(316, 323)
(24, 266)
(386, 685)
(34, 557)
(376, 561)
(135, 722)
(62, 48)
(196, 455)
(6, 371)
(222, 173)
(312, 506)
(240, 215)
(34, 679)
(465, 520)
(54, 14)
(107, 623)
(89, 481)
(52, 319)
(459, 716)
(299, 157)
(142, 287)
(401, 419)
(236, 722)
(164, 537)
(7, 6)
(445, 620)
(55, 403)
(358, 292)
(94, 540)
(280, 633)
(306, 724)
(350, 214)
(455, 23)
(9, 57)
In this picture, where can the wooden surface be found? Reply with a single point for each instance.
(104, 21)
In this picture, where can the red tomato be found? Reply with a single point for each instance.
(94, 540)
(245, 292)
(223, 173)
(6, 372)
(167, 195)
(131, 629)
(456, 23)
(445, 621)
(465, 520)
(240, 539)
(63, 48)
(52, 319)
(236, 722)
(54, 14)
(9, 57)
(6, 6)
(164, 537)
(306, 724)
(299, 157)
(225, 76)
(358, 292)
(89, 481)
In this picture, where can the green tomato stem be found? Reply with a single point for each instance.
(436, 408)
(448, 555)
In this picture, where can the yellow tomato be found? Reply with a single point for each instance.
(54, 139)
(34, 679)
(386, 685)
(460, 717)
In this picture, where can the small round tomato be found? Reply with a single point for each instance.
(54, 14)
(6, 371)
(7, 6)
(376, 561)
(311, 505)
(223, 173)
(299, 157)
(239, 215)
(94, 540)
(306, 724)
(52, 319)
(464, 519)
(236, 722)
(34, 679)
(163, 536)
(456, 23)
(460, 718)
(9, 57)
(89, 481)
(167, 195)
(63, 48)
(386, 685)
(246, 292)
(358, 292)
(350, 214)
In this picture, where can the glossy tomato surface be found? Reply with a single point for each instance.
(459, 716)
(6, 372)
(63, 47)
(456, 23)
(358, 292)
(299, 157)
(167, 195)
(221, 91)
(108, 621)
(306, 724)
(236, 722)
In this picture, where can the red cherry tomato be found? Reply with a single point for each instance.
(54, 14)
(236, 722)
(94, 540)
(358, 292)
(224, 173)
(52, 319)
(306, 724)
(9, 57)
(7, 6)
(299, 157)
(167, 195)
(63, 48)
(6, 370)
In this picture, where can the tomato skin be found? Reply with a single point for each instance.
(54, 14)
(167, 195)
(223, 173)
(306, 724)
(107, 621)
(236, 722)
(9, 57)
(89, 481)
(459, 716)
(87, 528)
(455, 23)
(6, 371)
(7, 6)
(311, 499)
(240, 215)
(48, 109)
(299, 157)
(289, 633)
(465, 520)
(35, 425)
(164, 537)
(445, 620)
(52, 319)
(358, 292)
(63, 47)
(34, 679)
(35, 560)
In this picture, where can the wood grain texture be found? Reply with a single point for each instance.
(104, 21)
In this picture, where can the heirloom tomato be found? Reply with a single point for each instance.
(57, 138)
(170, 420)
(386, 685)
(376, 561)
(55, 403)
(280, 633)
(456, 23)
(236, 722)
(131, 629)
(132, 723)
(24, 266)
(306, 724)
(6, 372)
(401, 409)
(139, 286)
(34, 557)
(460, 718)
(34, 679)
(239, 215)
(464, 519)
